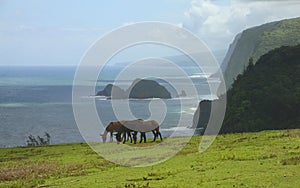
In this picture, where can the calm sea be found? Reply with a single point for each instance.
(35, 100)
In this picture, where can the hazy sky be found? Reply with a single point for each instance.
(58, 32)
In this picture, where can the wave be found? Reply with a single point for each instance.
(13, 105)
(200, 75)
(94, 97)
(133, 99)
(209, 97)
(185, 112)
(179, 131)
(193, 109)
(20, 105)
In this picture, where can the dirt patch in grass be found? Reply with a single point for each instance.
(145, 178)
(292, 133)
(5, 159)
(186, 152)
(27, 170)
(101, 164)
(134, 185)
(41, 169)
(291, 161)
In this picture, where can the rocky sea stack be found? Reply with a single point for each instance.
(139, 89)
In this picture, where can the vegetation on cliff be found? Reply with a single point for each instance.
(265, 97)
(257, 41)
(267, 94)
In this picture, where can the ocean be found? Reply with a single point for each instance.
(35, 100)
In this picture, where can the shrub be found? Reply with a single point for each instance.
(39, 141)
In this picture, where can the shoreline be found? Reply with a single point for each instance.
(149, 139)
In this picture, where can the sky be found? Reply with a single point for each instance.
(58, 32)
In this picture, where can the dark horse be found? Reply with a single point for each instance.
(115, 127)
(138, 126)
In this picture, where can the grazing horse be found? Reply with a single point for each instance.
(139, 126)
(121, 134)
(114, 127)
(150, 125)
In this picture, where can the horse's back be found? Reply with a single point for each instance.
(150, 125)
(154, 123)
(140, 125)
(114, 126)
(132, 124)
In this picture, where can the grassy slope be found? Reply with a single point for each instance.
(259, 40)
(264, 159)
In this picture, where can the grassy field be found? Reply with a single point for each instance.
(264, 159)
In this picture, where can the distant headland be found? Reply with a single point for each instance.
(139, 89)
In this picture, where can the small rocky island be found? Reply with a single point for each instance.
(139, 89)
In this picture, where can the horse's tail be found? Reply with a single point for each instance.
(155, 124)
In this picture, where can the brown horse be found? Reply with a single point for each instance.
(114, 127)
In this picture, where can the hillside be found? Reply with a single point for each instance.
(265, 159)
(267, 95)
(256, 41)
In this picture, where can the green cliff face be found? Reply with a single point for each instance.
(256, 41)
(267, 94)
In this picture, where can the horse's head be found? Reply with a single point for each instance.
(103, 137)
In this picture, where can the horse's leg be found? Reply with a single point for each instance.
(124, 137)
(144, 137)
(134, 136)
(118, 137)
(155, 135)
(129, 136)
(141, 137)
(111, 136)
(158, 132)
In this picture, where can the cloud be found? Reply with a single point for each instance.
(217, 24)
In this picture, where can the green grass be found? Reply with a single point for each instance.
(264, 159)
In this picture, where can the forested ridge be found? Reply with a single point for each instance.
(267, 94)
